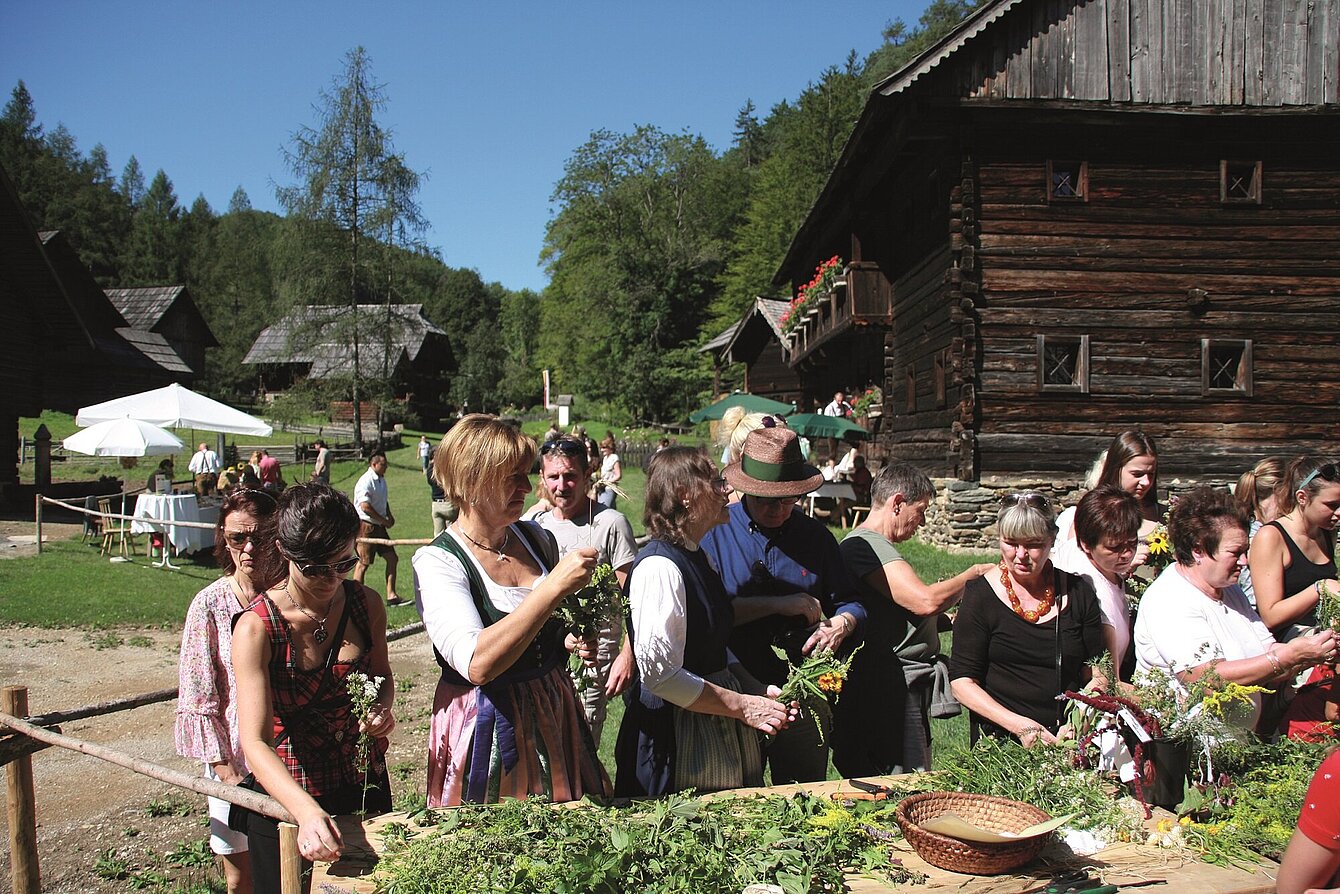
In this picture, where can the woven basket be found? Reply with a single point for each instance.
(971, 857)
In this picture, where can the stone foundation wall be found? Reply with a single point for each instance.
(963, 514)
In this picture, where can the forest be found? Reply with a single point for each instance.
(658, 241)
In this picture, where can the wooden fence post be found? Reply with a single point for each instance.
(290, 861)
(22, 806)
(37, 513)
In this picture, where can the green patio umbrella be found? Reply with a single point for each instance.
(816, 425)
(751, 402)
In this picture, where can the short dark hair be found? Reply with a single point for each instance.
(375, 454)
(1107, 513)
(1199, 520)
(312, 521)
(670, 473)
(903, 478)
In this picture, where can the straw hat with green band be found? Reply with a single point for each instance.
(771, 465)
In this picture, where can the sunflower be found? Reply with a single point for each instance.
(1158, 542)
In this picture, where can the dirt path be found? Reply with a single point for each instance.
(88, 809)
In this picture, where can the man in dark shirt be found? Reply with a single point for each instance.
(787, 581)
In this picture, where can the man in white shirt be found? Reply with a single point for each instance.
(205, 466)
(576, 521)
(838, 406)
(375, 519)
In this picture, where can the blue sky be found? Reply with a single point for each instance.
(488, 99)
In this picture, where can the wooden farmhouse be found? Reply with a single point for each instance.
(758, 341)
(170, 312)
(1072, 218)
(66, 344)
(316, 342)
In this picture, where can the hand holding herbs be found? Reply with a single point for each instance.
(811, 683)
(595, 605)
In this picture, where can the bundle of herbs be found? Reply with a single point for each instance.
(584, 612)
(815, 681)
(678, 845)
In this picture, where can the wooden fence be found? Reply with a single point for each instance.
(22, 736)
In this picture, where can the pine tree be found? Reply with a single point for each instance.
(239, 202)
(132, 182)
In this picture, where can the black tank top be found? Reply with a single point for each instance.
(1301, 574)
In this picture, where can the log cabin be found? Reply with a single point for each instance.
(1071, 218)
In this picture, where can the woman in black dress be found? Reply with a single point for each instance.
(1025, 632)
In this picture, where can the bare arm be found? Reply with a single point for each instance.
(903, 586)
(1266, 559)
(1306, 866)
(1260, 669)
(376, 516)
(621, 669)
(318, 837)
(501, 644)
(380, 721)
(760, 712)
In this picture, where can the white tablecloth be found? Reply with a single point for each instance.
(176, 507)
(837, 490)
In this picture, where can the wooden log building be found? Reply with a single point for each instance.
(1071, 218)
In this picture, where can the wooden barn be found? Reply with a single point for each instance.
(1072, 218)
(66, 345)
(758, 341)
(168, 311)
(316, 342)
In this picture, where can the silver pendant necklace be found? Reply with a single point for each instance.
(507, 538)
(320, 635)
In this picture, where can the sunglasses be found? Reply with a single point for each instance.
(343, 566)
(1027, 497)
(239, 539)
(565, 446)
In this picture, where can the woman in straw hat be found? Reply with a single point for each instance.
(692, 716)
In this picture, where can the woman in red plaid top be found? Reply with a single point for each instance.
(294, 650)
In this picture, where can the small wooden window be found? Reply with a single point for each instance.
(1067, 181)
(1226, 367)
(1063, 363)
(911, 393)
(1240, 182)
(942, 378)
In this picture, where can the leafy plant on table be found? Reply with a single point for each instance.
(595, 605)
(677, 845)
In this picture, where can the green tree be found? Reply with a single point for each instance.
(634, 252)
(132, 182)
(349, 183)
(239, 202)
(902, 45)
(153, 254)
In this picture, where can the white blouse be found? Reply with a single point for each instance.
(442, 596)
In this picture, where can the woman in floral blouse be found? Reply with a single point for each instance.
(207, 694)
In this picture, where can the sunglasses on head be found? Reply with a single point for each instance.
(565, 446)
(343, 566)
(1027, 497)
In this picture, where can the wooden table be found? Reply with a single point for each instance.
(1116, 865)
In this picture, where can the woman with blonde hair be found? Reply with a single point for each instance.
(506, 722)
(736, 424)
(1256, 494)
(1293, 558)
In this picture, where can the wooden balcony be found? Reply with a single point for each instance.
(863, 297)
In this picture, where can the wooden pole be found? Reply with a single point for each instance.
(37, 512)
(290, 861)
(24, 873)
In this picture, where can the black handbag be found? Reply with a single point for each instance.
(238, 816)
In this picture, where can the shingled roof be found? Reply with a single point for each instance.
(143, 308)
(316, 335)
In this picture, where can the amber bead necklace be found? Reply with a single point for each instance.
(1030, 615)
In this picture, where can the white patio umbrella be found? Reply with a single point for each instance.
(123, 437)
(175, 407)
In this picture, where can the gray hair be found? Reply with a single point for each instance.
(1026, 517)
(900, 478)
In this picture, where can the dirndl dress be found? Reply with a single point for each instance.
(521, 734)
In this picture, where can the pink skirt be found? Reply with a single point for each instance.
(511, 739)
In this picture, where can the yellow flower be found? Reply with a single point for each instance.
(1165, 825)
(1158, 542)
